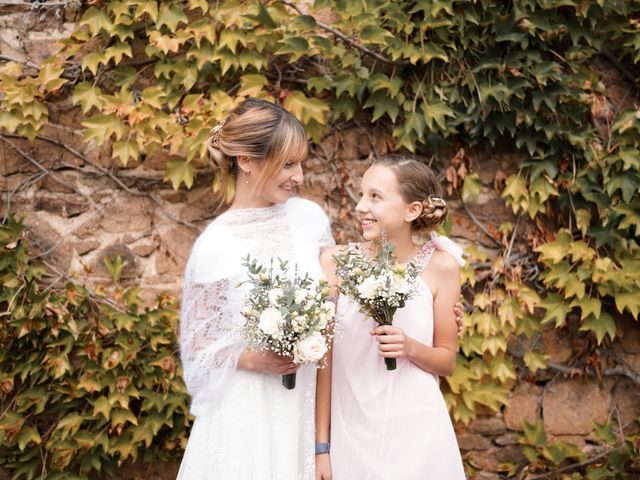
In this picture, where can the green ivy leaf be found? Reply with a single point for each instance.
(436, 112)
(556, 309)
(602, 326)
(375, 35)
(382, 105)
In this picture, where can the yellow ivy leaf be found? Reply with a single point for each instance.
(252, 84)
(125, 149)
(306, 109)
(165, 43)
(96, 20)
(230, 38)
(170, 16)
(117, 51)
(102, 406)
(629, 301)
(93, 60)
(49, 73)
(149, 7)
(472, 187)
(179, 171)
(588, 306)
(535, 360)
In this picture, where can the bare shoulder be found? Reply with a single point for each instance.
(443, 264)
(326, 257)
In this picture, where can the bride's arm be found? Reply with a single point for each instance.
(323, 385)
(441, 358)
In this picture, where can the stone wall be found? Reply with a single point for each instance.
(81, 207)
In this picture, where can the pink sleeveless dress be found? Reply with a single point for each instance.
(389, 425)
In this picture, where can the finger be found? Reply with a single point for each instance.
(388, 339)
(394, 347)
(383, 330)
(392, 354)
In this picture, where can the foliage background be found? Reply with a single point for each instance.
(90, 379)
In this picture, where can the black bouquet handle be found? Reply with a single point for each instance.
(289, 380)
(390, 363)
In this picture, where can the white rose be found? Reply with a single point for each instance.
(369, 287)
(270, 322)
(274, 294)
(400, 285)
(309, 349)
(301, 295)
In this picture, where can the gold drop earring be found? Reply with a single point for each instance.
(247, 179)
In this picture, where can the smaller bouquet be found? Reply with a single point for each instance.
(288, 315)
(380, 285)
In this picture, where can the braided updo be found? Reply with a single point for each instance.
(418, 183)
(261, 131)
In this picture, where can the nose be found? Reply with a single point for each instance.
(298, 176)
(362, 206)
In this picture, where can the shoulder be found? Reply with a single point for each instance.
(443, 263)
(306, 208)
(326, 257)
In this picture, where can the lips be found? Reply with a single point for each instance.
(367, 222)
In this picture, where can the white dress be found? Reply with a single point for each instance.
(389, 425)
(247, 425)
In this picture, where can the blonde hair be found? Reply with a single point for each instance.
(418, 183)
(261, 131)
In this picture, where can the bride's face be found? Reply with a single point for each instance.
(281, 186)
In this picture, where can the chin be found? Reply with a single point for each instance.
(371, 234)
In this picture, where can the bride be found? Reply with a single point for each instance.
(247, 425)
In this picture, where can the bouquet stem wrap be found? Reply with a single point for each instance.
(289, 381)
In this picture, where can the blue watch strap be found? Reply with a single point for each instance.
(322, 448)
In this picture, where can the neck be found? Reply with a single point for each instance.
(404, 248)
(246, 197)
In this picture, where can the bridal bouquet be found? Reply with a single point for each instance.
(380, 285)
(286, 314)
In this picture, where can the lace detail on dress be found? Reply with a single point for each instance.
(421, 259)
(209, 341)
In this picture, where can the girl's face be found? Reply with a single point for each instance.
(280, 187)
(381, 205)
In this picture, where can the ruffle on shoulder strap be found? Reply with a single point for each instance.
(447, 245)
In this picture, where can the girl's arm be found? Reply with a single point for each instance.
(323, 385)
(443, 277)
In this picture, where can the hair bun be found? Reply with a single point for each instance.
(434, 212)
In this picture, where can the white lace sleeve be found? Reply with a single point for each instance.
(326, 237)
(210, 342)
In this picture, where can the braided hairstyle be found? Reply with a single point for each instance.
(261, 131)
(418, 183)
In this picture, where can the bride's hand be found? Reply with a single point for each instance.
(323, 467)
(266, 362)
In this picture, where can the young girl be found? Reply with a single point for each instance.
(392, 425)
